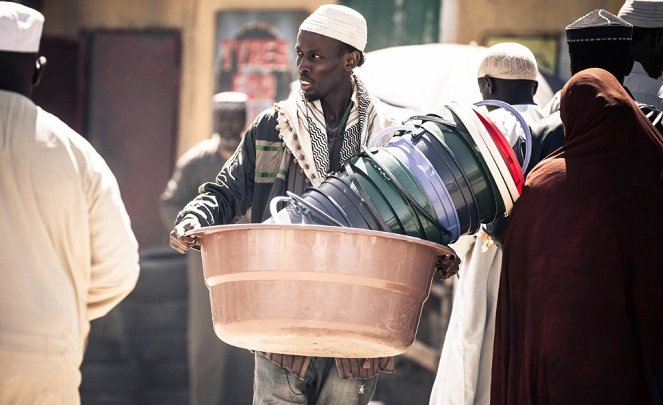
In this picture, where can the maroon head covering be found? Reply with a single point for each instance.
(580, 307)
(599, 117)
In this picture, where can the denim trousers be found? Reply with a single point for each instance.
(322, 385)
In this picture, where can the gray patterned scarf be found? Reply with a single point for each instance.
(357, 123)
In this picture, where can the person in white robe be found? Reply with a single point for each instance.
(507, 73)
(68, 254)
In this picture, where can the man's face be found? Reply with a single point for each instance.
(321, 65)
(230, 123)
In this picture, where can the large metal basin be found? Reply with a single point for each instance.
(316, 290)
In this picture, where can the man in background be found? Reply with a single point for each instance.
(218, 372)
(67, 249)
(646, 16)
(598, 39)
(507, 73)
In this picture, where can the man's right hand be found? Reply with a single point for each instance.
(179, 241)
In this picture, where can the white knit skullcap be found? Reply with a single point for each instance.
(508, 60)
(642, 13)
(20, 28)
(339, 22)
(230, 100)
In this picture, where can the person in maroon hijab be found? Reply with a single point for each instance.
(580, 307)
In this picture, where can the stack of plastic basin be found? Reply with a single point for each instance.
(440, 177)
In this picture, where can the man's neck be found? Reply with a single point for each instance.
(25, 90)
(335, 105)
(227, 146)
(513, 99)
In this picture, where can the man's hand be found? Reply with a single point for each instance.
(181, 242)
(447, 266)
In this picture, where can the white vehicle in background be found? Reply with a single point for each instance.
(417, 79)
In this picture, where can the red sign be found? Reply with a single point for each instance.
(263, 54)
(256, 55)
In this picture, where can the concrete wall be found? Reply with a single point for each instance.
(478, 18)
(195, 19)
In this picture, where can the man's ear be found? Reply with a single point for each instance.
(351, 60)
(658, 39)
(485, 84)
(40, 65)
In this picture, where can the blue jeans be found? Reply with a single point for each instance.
(322, 385)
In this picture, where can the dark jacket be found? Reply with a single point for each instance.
(243, 182)
(547, 136)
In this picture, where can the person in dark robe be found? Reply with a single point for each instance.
(580, 308)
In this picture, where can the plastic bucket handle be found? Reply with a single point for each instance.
(521, 121)
(377, 139)
(300, 201)
(273, 207)
(364, 199)
(405, 194)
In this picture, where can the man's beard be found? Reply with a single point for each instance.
(311, 97)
